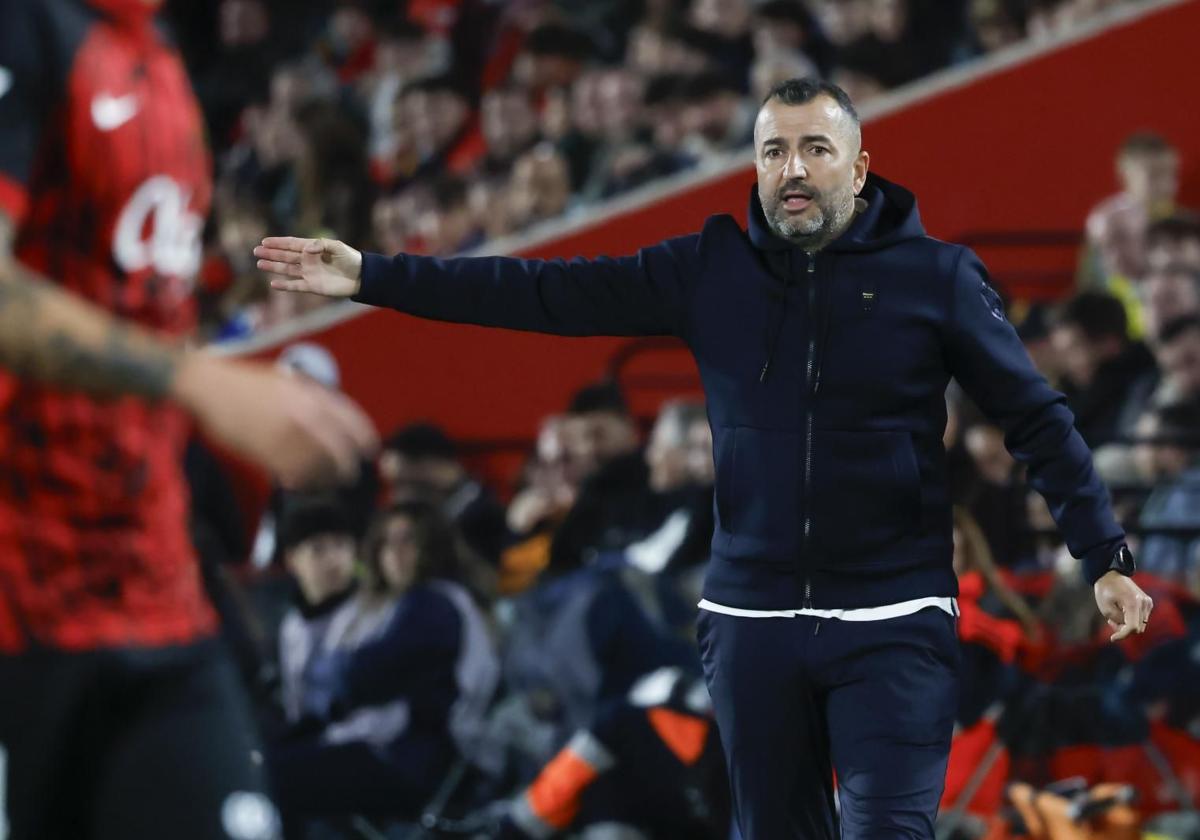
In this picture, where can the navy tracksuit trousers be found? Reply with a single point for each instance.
(799, 698)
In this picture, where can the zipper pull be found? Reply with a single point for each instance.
(817, 629)
(812, 262)
(762, 377)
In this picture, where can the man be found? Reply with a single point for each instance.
(1168, 293)
(1100, 364)
(825, 337)
(1174, 241)
(119, 714)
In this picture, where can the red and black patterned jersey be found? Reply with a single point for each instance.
(105, 172)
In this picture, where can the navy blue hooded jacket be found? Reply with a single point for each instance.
(825, 375)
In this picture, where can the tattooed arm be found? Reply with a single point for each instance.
(299, 431)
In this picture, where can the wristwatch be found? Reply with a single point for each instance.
(1123, 561)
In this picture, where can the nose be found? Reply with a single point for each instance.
(794, 168)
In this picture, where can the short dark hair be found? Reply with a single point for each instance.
(1144, 143)
(1172, 229)
(306, 516)
(804, 90)
(1179, 424)
(554, 39)
(1096, 314)
(784, 11)
(1177, 327)
(599, 397)
(450, 192)
(422, 441)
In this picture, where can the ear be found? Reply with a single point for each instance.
(861, 165)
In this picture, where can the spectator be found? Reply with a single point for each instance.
(420, 463)
(1178, 355)
(775, 67)
(408, 679)
(997, 24)
(401, 57)
(727, 23)
(319, 550)
(510, 128)
(1174, 241)
(553, 56)
(316, 364)
(239, 71)
(716, 116)
(1167, 294)
(1100, 364)
(448, 226)
(1148, 172)
(788, 28)
(540, 187)
(1175, 503)
(437, 113)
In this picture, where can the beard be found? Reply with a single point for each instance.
(827, 216)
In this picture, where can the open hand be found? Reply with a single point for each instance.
(318, 266)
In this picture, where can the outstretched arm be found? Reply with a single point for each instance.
(643, 294)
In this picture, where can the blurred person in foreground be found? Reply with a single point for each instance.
(120, 716)
(825, 335)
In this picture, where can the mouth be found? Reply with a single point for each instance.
(795, 201)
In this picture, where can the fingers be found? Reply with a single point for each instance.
(1147, 605)
(277, 254)
(1124, 631)
(1135, 608)
(286, 243)
(283, 269)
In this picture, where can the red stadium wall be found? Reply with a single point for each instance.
(1018, 147)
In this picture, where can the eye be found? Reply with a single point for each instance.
(773, 153)
(819, 151)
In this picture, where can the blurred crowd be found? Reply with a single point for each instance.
(432, 126)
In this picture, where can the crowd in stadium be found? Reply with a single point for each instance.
(434, 126)
(524, 654)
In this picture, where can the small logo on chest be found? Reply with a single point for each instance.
(111, 112)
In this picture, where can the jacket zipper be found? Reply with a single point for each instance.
(813, 383)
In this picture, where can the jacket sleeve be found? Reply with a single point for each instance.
(985, 355)
(643, 294)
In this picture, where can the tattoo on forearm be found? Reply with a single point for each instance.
(49, 336)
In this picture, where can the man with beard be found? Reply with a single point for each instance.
(120, 715)
(825, 335)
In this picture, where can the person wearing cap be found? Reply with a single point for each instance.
(825, 337)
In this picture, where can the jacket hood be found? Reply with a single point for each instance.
(891, 216)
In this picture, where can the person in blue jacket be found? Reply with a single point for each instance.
(825, 336)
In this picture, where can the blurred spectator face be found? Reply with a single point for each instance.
(727, 18)
(1167, 253)
(242, 22)
(587, 114)
(448, 227)
(490, 210)
(399, 553)
(680, 449)
(711, 118)
(323, 565)
(619, 97)
(993, 25)
(410, 478)
(985, 445)
(1151, 178)
(1168, 294)
(1077, 356)
(889, 19)
(1157, 461)
(540, 186)
(701, 467)
(1118, 236)
(596, 437)
(859, 85)
(349, 27)
(290, 87)
(1179, 361)
(807, 190)
(389, 225)
(405, 57)
(651, 52)
(509, 122)
(241, 229)
(777, 66)
(435, 118)
(845, 20)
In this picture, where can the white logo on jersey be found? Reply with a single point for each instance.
(249, 816)
(6, 80)
(171, 245)
(111, 112)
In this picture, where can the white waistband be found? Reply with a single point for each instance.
(949, 605)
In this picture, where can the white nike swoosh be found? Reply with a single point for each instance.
(112, 112)
(6, 81)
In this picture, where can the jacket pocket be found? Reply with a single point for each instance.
(865, 493)
(759, 475)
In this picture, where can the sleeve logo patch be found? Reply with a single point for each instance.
(992, 300)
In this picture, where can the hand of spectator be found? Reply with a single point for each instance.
(302, 433)
(318, 266)
(1123, 603)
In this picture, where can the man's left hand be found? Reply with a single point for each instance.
(1123, 603)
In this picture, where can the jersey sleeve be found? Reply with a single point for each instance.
(25, 91)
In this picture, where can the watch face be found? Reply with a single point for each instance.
(1123, 561)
